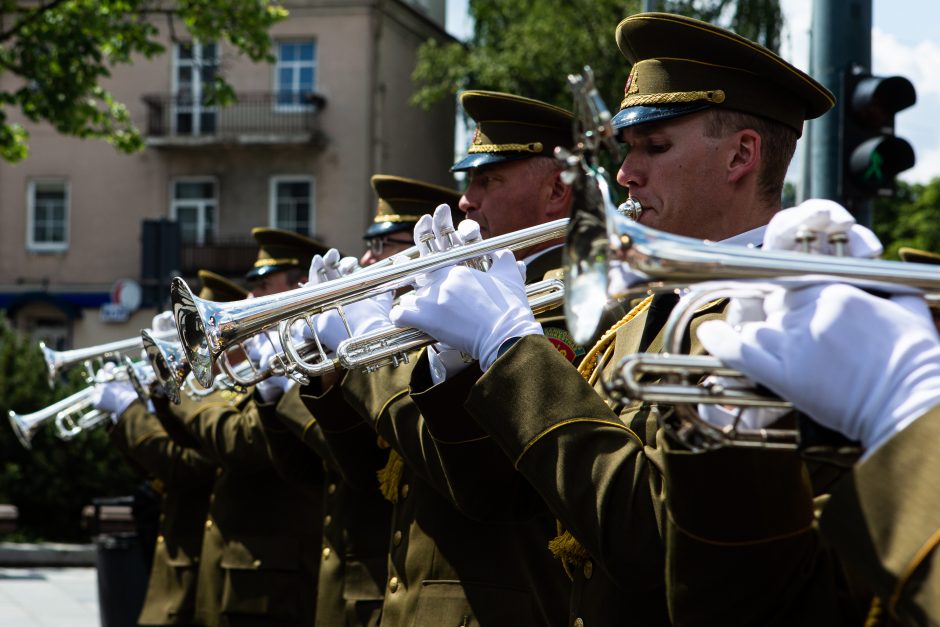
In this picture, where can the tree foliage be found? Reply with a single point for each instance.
(910, 218)
(54, 55)
(51, 483)
(528, 47)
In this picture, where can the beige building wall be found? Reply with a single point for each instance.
(366, 52)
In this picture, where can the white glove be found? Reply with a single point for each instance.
(444, 361)
(363, 316)
(862, 365)
(823, 218)
(111, 396)
(469, 310)
(163, 322)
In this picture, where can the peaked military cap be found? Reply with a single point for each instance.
(915, 255)
(280, 250)
(402, 201)
(216, 287)
(682, 65)
(512, 127)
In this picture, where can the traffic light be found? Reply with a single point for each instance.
(872, 156)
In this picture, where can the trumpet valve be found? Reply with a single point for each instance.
(839, 240)
(805, 237)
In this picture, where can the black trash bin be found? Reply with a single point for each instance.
(122, 571)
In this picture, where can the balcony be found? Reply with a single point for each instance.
(228, 258)
(254, 118)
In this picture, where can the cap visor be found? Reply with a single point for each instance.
(384, 228)
(488, 158)
(632, 116)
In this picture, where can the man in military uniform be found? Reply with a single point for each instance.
(468, 546)
(353, 568)
(160, 445)
(710, 121)
(259, 559)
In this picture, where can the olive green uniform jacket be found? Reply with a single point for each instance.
(884, 521)
(599, 468)
(356, 517)
(455, 558)
(187, 479)
(259, 556)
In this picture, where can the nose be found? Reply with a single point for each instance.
(367, 259)
(630, 173)
(466, 205)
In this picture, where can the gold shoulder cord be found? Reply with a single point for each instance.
(591, 367)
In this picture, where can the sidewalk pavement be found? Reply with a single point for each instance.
(48, 597)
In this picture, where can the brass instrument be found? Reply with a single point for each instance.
(390, 346)
(71, 415)
(58, 361)
(208, 328)
(173, 373)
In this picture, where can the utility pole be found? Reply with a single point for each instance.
(841, 34)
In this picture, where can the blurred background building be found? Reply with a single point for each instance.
(90, 237)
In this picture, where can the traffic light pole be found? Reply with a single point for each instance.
(841, 33)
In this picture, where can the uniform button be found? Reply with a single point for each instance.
(218, 472)
(405, 489)
(208, 524)
(393, 584)
(327, 520)
(160, 539)
(256, 563)
(326, 553)
(578, 622)
(588, 569)
(396, 538)
(331, 489)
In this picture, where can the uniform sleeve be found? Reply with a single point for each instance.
(341, 437)
(141, 437)
(884, 521)
(482, 480)
(593, 471)
(231, 434)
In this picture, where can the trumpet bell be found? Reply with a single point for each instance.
(169, 366)
(197, 343)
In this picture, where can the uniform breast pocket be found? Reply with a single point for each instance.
(463, 604)
(263, 577)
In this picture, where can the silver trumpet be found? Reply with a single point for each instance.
(390, 346)
(25, 426)
(173, 373)
(71, 415)
(58, 361)
(207, 328)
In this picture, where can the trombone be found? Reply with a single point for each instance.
(207, 328)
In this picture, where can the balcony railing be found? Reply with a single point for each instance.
(176, 119)
(230, 258)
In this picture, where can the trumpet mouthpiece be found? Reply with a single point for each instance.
(631, 208)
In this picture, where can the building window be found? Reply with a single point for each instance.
(195, 67)
(47, 215)
(194, 205)
(292, 204)
(295, 74)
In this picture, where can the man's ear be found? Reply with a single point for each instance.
(559, 198)
(746, 157)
